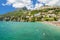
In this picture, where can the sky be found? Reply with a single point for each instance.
(11, 5)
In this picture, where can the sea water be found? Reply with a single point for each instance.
(28, 31)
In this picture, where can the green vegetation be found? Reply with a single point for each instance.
(24, 15)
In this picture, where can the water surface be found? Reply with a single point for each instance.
(28, 31)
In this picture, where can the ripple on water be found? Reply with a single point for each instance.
(28, 31)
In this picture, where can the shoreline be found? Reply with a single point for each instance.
(54, 23)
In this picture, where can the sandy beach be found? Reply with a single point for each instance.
(55, 23)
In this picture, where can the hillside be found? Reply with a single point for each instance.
(45, 13)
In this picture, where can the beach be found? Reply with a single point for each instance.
(54, 23)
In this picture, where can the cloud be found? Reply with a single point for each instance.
(50, 2)
(53, 2)
(29, 3)
(19, 3)
(38, 5)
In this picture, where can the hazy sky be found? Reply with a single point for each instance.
(11, 5)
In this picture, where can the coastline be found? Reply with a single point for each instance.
(54, 23)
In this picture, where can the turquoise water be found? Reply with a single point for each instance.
(28, 31)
